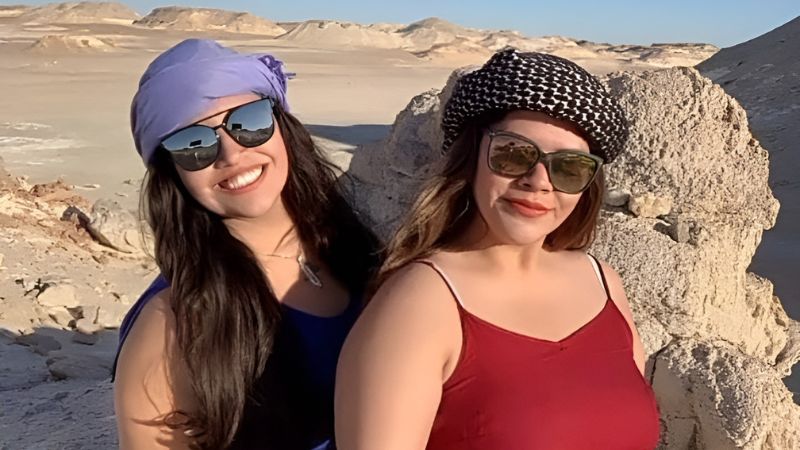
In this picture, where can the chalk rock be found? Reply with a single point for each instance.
(649, 205)
(63, 365)
(707, 397)
(58, 295)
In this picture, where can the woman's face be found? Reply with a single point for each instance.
(243, 182)
(524, 210)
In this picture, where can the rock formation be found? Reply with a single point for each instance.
(58, 44)
(763, 74)
(331, 33)
(718, 341)
(82, 12)
(207, 19)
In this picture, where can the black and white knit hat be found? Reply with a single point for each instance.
(513, 80)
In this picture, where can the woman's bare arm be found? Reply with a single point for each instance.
(150, 381)
(393, 364)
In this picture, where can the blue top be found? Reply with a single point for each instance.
(295, 396)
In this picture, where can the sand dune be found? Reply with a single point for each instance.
(83, 12)
(331, 33)
(207, 19)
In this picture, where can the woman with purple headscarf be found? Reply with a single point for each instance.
(262, 262)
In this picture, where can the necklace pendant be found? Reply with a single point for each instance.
(309, 273)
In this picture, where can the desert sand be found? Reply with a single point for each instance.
(68, 73)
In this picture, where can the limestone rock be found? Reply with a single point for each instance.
(110, 225)
(388, 174)
(87, 326)
(41, 344)
(18, 316)
(616, 197)
(63, 365)
(649, 205)
(110, 315)
(705, 395)
(85, 339)
(61, 316)
(58, 295)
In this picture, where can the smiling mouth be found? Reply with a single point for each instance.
(527, 209)
(242, 180)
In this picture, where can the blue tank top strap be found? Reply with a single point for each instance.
(158, 285)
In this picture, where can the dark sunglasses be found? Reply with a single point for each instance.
(570, 171)
(197, 146)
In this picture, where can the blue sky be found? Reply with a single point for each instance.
(722, 23)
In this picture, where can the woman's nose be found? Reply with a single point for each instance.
(229, 150)
(537, 178)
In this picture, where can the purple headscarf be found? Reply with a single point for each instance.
(184, 81)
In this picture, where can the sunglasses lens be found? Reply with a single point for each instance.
(193, 148)
(511, 157)
(252, 124)
(571, 172)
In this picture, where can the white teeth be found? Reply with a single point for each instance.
(242, 180)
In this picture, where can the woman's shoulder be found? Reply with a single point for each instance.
(151, 380)
(413, 296)
(417, 282)
(150, 333)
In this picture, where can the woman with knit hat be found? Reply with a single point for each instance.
(492, 328)
(262, 262)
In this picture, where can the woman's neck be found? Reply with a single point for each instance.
(481, 242)
(271, 233)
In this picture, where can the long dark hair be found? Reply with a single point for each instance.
(227, 318)
(444, 208)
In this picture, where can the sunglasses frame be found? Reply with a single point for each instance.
(223, 125)
(543, 157)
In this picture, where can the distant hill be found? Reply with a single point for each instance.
(427, 33)
(206, 19)
(330, 33)
(13, 10)
(83, 12)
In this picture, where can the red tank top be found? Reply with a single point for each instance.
(515, 392)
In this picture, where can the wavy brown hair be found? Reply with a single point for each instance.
(226, 315)
(445, 207)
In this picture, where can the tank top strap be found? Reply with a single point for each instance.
(446, 280)
(600, 275)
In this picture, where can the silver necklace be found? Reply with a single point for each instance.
(309, 271)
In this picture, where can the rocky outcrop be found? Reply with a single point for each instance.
(81, 12)
(207, 19)
(58, 44)
(331, 33)
(763, 74)
(690, 203)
